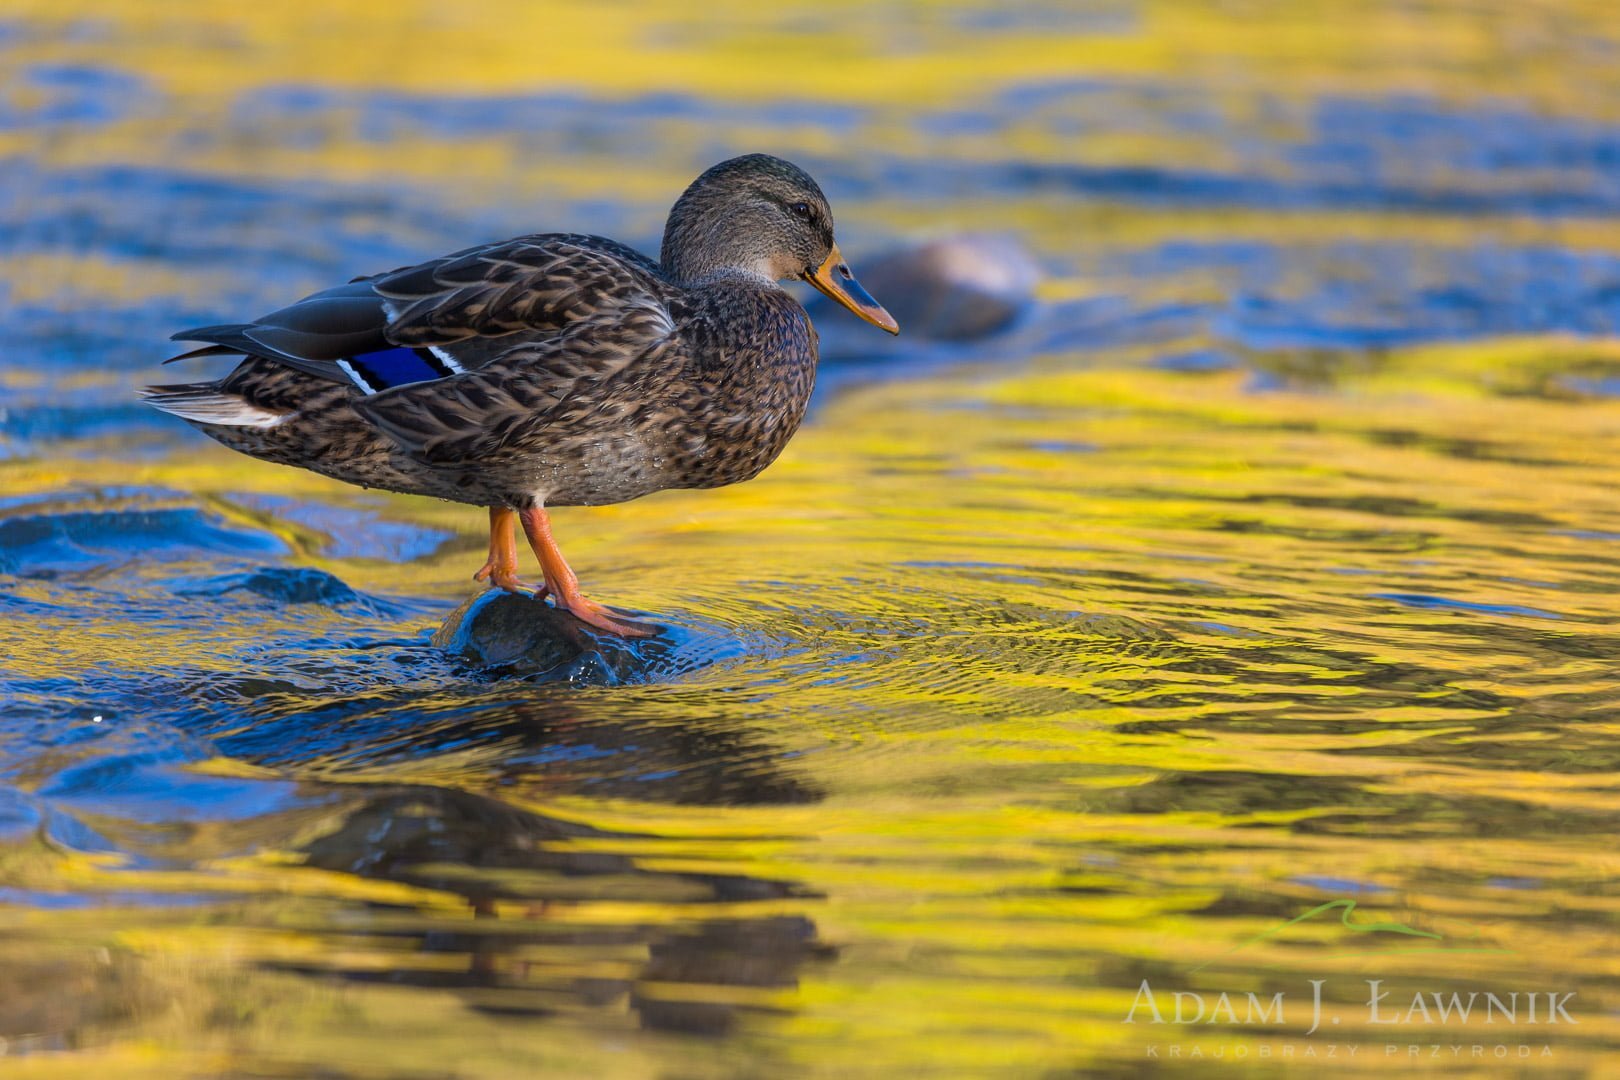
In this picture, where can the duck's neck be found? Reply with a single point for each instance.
(733, 277)
(693, 269)
(753, 319)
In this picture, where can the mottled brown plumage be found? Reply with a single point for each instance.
(548, 370)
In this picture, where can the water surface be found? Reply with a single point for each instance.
(1266, 567)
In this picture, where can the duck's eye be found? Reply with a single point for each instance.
(802, 209)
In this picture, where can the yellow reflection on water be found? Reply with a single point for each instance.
(1042, 652)
(1063, 671)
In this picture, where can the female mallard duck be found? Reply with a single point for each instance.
(549, 370)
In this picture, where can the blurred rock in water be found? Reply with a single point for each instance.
(957, 288)
(283, 584)
(517, 634)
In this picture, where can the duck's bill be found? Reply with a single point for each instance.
(834, 279)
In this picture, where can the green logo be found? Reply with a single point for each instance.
(1345, 907)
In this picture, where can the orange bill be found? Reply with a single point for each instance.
(834, 278)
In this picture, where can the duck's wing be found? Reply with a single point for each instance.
(439, 318)
(545, 283)
(544, 393)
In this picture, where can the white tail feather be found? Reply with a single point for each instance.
(211, 407)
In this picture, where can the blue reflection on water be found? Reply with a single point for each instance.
(1419, 600)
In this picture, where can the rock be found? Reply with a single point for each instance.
(957, 288)
(497, 629)
(289, 585)
(285, 585)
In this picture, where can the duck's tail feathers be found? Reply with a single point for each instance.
(205, 403)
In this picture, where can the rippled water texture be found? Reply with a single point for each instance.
(1265, 569)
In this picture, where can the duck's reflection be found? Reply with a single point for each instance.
(536, 944)
(546, 915)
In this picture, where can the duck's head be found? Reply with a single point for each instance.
(764, 216)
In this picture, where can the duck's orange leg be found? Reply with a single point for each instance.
(500, 569)
(564, 586)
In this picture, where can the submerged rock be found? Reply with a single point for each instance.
(499, 630)
(957, 288)
(283, 584)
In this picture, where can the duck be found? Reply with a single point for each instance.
(552, 369)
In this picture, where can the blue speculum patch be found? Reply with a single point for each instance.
(387, 368)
